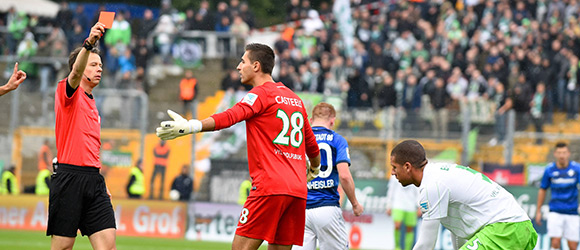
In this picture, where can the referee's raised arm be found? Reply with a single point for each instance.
(78, 68)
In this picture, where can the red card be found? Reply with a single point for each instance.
(107, 18)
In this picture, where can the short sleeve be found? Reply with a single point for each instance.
(434, 201)
(342, 153)
(546, 182)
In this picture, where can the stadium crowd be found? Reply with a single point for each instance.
(453, 51)
(519, 55)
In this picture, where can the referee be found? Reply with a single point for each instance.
(79, 198)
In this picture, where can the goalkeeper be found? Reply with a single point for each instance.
(279, 136)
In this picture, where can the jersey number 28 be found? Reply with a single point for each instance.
(296, 120)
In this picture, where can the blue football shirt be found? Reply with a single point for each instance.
(323, 190)
(564, 187)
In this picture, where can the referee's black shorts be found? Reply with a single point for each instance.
(78, 200)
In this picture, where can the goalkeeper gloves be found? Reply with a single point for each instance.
(178, 127)
(312, 173)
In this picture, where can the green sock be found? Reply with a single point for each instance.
(397, 238)
(409, 240)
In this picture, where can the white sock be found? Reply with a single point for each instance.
(551, 248)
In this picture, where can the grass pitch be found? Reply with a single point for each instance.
(33, 240)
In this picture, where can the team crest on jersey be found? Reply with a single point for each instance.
(424, 206)
(570, 172)
(250, 98)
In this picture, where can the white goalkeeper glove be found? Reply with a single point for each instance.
(178, 127)
(312, 173)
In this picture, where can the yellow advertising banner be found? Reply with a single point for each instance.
(160, 219)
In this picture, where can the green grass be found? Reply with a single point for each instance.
(32, 240)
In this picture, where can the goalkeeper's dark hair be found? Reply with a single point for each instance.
(561, 145)
(263, 54)
(72, 58)
(410, 151)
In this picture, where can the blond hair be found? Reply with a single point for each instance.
(323, 111)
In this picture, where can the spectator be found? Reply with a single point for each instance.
(223, 24)
(572, 89)
(64, 17)
(136, 184)
(183, 184)
(167, 8)
(46, 71)
(119, 35)
(190, 22)
(42, 186)
(81, 18)
(127, 68)
(27, 49)
(112, 65)
(521, 96)
(147, 25)
(142, 54)
(187, 91)
(161, 156)
(305, 9)
(234, 8)
(292, 10)
(239, 29)
(77, 36)
(165, 31)
(386, 96)
(221, 12)
(244, 191)
(439, 99)
(204, 18)
(247, 15)
(8, 182)
(312, 23)
(502, 104)
(231, 82)
(285, 77)
(44, 156)
(538, 106)
(16, 30)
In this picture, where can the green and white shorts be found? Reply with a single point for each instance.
(409, 218)
(504, 236)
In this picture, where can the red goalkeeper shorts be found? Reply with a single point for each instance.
(277, 219)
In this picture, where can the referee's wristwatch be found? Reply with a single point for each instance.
(88, 46)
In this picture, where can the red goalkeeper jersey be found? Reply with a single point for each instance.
(278, 135)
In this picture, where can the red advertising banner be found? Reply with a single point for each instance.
(160, 219)
(505, 174)
(25, 212)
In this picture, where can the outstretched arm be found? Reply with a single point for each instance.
(15, 80)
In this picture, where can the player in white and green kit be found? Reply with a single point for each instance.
(479, 213)
(402, 206)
